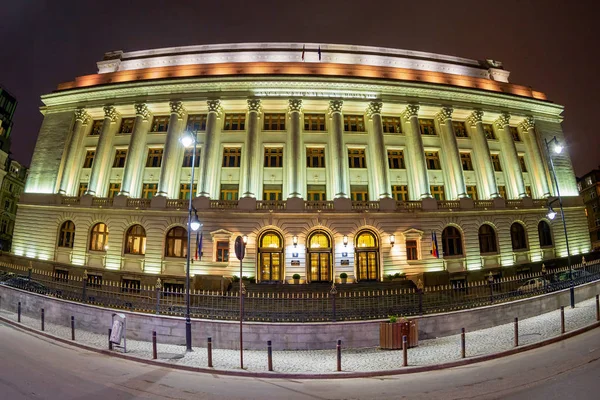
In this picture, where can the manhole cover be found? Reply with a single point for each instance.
(169, 356)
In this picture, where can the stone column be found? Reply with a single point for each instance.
(339, 155)
(250, 170)
(539, 172)
(295, 149)
(209, 161)
(481, 154)
(132, 174)
(102, 162)
(509, 152)
(417, 164)
(170, 160)
(71, 167)
(450, 149)
(378, 152)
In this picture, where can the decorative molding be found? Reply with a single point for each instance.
(177, 108)
(527, 124)
(111, 113)
(503, 120)
(335, 106)
(295, 105)
(374, 108)
(444, 114)
(214, 106)
(82, 115)
(411, 110)
(475, 118)
(254, 105)
(142, 110)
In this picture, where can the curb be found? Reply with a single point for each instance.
(339, 375)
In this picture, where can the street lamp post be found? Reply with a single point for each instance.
(240, 252)
(557, 149)
(190, 139)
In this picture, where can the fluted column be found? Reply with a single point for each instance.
(377, 151)
(339, 155)
(481, 154)
(209, 163)
(166, 180)
(539, 172)
(417, 165)
(102, 163)
(254, 108)
(69, 173)
(509, 152)
(295, 149)
(132, 174)
(450, 149)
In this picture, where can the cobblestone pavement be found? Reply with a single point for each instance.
(429, 352)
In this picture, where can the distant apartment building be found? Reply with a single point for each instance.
(8, 104)
(589, 188)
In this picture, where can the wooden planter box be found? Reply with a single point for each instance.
(390, 334)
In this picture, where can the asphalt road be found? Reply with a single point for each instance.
(33, 367)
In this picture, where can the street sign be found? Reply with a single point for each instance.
(240, 248)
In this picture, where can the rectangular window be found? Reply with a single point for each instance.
(515, 133)
(437, 191)
(4, 226)
(232, 157)
(272, 192)
(427, 127)
(149, 190)
(496, 162)
(160, 124)
(89, 158)
(273, 157)
(114, 189)
(229, 192)
(235, 122)
(359, 193)
(472, 192)
(400, 192)
(502, 191)
(488, 129)
(274, 122)
(391, 124)
(96, 127)
(396, 159)
(188, 155)
(522, 164)
(126, 125)
(184, 191)
(154, 158)
(465, 160)
(120, 156)
(82, 189)
(316, 192)
(411, 250)
(356, 158)
(528, 191)
(460, 130)
(315, 158)
(196, 123)
(222, 251)
(432, 158)
(314, 122)
(354, 123)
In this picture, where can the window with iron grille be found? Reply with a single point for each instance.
(427, 127)
(273, 157)
(465, 160)
(96, 127)
(432, 158)
(391, 124)
(188, 155)
(234, 122)
(315, 157)
(114, 189)
(89, 158)
(154, 158)
(126, 125)
(316, 192)
(314, 122)
(120, 156)
(354, 123)
(274, 122)
(400, 192)
(437, 191)
(196, 123)
(356, 158)
(160, 124)
(359, 192)
(460, 130)
(396, 159)
(232, 157)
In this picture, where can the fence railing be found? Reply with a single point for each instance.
(334, 305)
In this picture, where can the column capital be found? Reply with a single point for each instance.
(374, 108)
(142, 110)
(444, 114)
(475, 118)
(295, 105)
(411, 110)
(82, 115)
(254, 105)
(335, 106)
(214, 106)
(177, 108)
(502, 120)
(528, 123)
(111, 113)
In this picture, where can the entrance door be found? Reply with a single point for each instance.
(270, 267)
(320, 265)
(367, 265)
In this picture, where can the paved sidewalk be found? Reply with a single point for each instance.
(429, 352)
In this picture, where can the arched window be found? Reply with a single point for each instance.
(66, 235)
(135, 240)
(518, 236)
(99, 237)
(545, 234)
(270, 257)
(367, 256)
(452, 241)
(176, 243)
(319, 256)
(487, 239)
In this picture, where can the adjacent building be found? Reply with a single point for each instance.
(8, 104)
(589, 189)
(333, 159)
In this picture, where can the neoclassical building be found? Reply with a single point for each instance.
(334, 159)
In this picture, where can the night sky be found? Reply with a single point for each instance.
(550, 45)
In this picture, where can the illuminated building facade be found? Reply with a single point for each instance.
(340, 159)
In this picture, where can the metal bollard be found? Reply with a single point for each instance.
(72, 327)
(110, 347)
(270, 355)
(42, 319)
(562, 319)
(516, 331)
(154, 355)
(19, 312)
(209, 349)
(404, 351)
(339, 355)
(463, 345)
(597, 307)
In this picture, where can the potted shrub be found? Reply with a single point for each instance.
(391, 332)
(296, 278)
(343, 277)
(399, 276)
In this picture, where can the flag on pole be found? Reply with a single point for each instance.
(319, 53)
(198, 254)
(303, 50)
(434, 245)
